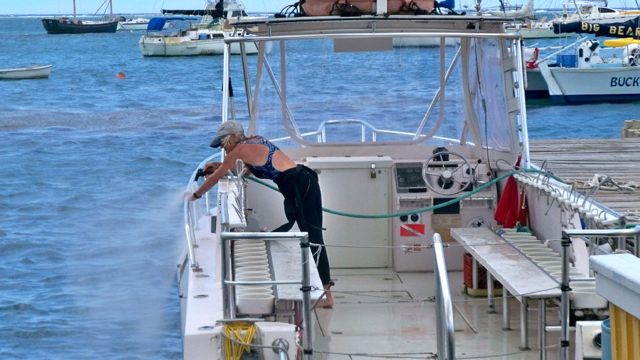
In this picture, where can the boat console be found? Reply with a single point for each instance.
(423, 197)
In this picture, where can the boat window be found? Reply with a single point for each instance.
(485, 80)
(383, 96)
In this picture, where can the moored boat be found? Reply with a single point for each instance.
(594, 12)
(31, 72)
(405, 158)
(536, 29)
(136, 24)
(585, 76)
(192, 41)
(65, 25)
(202, 38)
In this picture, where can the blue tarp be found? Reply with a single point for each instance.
(157, 23)
(451, 4)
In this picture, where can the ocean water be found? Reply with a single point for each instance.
(92, 168)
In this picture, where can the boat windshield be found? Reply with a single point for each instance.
(326, 91)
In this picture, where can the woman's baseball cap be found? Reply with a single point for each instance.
(226, 128)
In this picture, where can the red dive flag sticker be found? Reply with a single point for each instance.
(412, 229)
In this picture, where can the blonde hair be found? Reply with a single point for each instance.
(239, 136)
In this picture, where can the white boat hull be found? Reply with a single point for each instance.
(136, 24)
(576, 85)
(536, 86)
(32, 72)
(540, 33)
(184, 46)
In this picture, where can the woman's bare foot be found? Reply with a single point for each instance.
(327, 302)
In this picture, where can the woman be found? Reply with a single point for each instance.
(297, 183)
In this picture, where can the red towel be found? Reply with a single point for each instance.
(512, 207)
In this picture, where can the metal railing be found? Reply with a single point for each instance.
(564, 284)
(444, 307)
(190, 231)
(191, 217)
(305, 282)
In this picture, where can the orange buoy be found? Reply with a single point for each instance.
(121, 75)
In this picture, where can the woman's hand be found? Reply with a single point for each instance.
(190, 196)
(210, 167)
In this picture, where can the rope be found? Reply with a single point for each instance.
(605, 182)
(429, 208)
(235, 343)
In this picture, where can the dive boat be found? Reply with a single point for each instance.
(64, 25)
(407, 160)
(585, 76)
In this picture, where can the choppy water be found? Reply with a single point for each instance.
(91, 172)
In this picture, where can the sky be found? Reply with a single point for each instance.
(37, 7)
(65, 7)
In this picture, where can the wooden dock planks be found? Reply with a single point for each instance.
(579, 160)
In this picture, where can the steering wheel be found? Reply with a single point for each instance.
(440, 178)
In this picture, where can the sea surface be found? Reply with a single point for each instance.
(92, 168)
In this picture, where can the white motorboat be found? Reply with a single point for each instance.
(593, 11)
(585, 76)
(406, 158)
(204, 38)
(136, 24)
(31, 72)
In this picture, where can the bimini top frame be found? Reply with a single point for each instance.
(379, 27)
(402, 25)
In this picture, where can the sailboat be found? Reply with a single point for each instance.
(512, 11)
(64, 25)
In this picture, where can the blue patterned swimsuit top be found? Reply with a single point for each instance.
(266, 171)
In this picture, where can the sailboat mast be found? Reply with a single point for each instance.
(110, 10)
(74, 11)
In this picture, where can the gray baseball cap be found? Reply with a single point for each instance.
(227, 127)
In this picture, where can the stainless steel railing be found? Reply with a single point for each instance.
(190, 217)
(444, 307)
(305, 282)
(564, 284)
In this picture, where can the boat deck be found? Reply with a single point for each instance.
(379, 313)
(578, 161)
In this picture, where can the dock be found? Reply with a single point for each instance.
(607, 170)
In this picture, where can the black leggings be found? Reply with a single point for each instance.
(303, 204)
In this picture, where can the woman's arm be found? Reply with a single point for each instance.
(221, 170)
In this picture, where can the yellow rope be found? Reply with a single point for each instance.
(233, 349)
